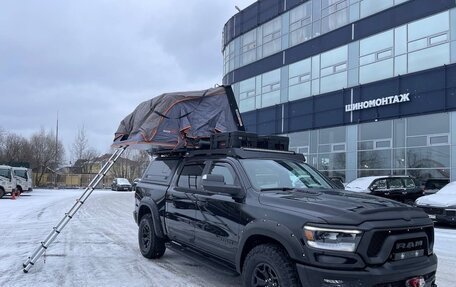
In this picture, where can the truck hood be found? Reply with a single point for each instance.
(338, 206)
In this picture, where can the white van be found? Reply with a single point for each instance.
(7, 180)
(23, 177)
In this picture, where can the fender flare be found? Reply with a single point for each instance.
(152, 206)
(272, 229)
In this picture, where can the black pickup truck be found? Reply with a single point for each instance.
(277, 221)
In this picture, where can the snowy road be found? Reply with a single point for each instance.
(99, 246)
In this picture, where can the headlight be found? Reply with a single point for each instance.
(332, 239)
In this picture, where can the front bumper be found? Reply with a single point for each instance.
(389, 274)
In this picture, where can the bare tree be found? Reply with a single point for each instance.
(2, 143)
(46, 153)
(80, 145)
(16, 149)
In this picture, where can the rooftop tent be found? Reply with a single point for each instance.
(181, 119)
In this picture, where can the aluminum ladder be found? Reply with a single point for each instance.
(39, 251)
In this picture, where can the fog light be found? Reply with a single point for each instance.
(415, 282)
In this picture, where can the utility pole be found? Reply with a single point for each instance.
(56, 149)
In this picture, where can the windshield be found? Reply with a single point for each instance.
(267, 174)
(122, 181)
(21, 173)
(5, 172)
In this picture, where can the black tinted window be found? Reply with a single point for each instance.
(190, 176)
(160, 170)
(395, 183)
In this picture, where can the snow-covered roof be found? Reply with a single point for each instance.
(445, 197)
(361, 183)
(450, 188)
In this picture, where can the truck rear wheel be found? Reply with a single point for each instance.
(151, 246)
(269, 265)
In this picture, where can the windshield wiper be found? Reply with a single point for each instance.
(278, 188)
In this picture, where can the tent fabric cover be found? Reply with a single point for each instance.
(176, 120)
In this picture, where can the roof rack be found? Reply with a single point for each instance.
(228, 140)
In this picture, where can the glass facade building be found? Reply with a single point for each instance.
(361, 87)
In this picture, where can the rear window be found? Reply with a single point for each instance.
(160, 171)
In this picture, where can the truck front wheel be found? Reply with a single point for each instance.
(2, 192)
(269, 265)
(151, 246)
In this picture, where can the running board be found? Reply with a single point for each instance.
(203, 259)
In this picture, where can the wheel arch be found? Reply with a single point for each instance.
(149, 207)
(263, 232)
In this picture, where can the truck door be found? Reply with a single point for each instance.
(218, 215)
(181, 203)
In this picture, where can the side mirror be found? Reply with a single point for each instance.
(374, 187)
(338, 183)
(216, 183)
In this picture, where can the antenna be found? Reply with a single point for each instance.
(237, 8)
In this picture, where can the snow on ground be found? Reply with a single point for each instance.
(99, 246)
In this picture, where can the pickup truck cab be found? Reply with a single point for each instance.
(277, 221)
(7, 180)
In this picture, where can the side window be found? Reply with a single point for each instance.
(225, 170)
(409, 183)
(381, 184)
(160, 171)
(395, 183)
(190, 176)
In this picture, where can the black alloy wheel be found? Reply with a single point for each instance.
(150, 245)
(264, 276)
(269, 265)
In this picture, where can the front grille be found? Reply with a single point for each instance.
(430, 278)
(379, 237)
(433, 210)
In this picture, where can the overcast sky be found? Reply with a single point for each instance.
(94, 61)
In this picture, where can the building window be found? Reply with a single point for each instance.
(334, 14)
(376, 57)
(247, 95)
(248, 47)
(428, 42)
(270, 88)
(301, 23)
(228, 55)
(299, 77)
(272, 37)
(333, 69)
(369, 7)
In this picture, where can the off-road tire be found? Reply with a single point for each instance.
(2, 192)
(269, 265)
(19, 190)
(150, 245)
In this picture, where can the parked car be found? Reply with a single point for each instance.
(121, 184)
(440, 206)
(433, 185)
(135, 182)
(399, 188)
